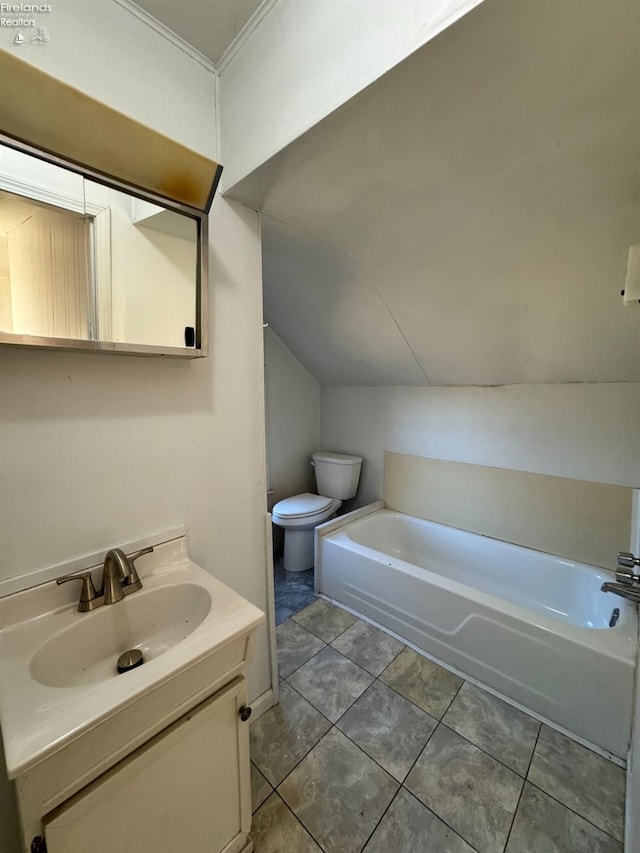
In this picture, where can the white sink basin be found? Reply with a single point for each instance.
(151, 620)
(58, 676)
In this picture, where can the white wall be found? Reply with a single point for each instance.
(96, 449)
(293, 419)
(586, 432)
(305, 59)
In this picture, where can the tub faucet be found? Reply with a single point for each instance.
(629, 591)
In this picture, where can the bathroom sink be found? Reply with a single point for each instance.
(59, 684)
(150, 620)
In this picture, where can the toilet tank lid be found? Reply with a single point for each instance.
(339, 458)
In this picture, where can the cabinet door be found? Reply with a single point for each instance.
(185, 791)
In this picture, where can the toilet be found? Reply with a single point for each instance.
(337, 476)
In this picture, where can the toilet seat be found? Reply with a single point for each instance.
(302, 506)
(299, 516)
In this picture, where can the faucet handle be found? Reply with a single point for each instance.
(89, 598)
(133, 582)
(627, 560)
(136, 554)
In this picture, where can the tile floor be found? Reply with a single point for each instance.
(373, 747)
(294, 590)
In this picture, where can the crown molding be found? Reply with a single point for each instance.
(169, 35)
(245, 33)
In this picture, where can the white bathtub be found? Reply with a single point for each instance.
(532, 626)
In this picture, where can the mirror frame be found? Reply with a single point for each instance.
(200, 350)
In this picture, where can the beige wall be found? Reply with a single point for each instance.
(589, 522)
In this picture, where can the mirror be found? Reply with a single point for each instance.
(89, 263)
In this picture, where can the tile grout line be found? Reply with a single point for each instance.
(555, 799)
(374, 830)
(524, 782)
(574, 812)
(317, 710)
(346, 709)
(297, 819)
(455, 831)
(271, 790)
(293, 671)
(372, 674)
(484, 751)
(339, 634)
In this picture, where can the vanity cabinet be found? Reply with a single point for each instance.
(185, 791)
(153, 760)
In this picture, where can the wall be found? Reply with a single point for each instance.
(293, 420)
(304, 60)
(577, 431)
(96, 450)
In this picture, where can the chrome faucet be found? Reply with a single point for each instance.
(628, 582)
(119, 578)
(625, 590)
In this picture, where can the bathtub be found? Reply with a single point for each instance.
(531, 626)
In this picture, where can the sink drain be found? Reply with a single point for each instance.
(130, 660)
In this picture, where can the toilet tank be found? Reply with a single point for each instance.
(337, 474)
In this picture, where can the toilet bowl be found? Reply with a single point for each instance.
(299, 516)
(337, 476)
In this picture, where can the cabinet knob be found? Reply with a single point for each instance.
(245, 713)
(38, 845)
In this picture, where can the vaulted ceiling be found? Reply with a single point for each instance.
(466, 219)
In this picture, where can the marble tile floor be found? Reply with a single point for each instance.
(293, 590)
(375, 748)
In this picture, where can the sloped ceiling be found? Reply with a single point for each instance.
(466, 219)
